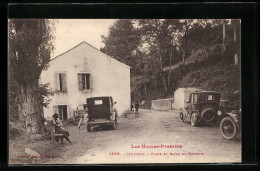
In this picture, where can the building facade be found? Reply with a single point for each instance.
(84, 72)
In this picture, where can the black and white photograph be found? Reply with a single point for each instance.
(124, 91)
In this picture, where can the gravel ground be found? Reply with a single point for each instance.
(173, 142)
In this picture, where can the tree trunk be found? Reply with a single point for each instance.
(29, 108)
(161, 70)
(145, 89)
(235, 59)
(169, 74)
(186, 43)
(143, 84)
(164, 83)
(224, 38)
(137, 91)
(185, 51)
(235, 43)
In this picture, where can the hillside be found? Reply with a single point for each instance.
(166, 54)
(215, 72)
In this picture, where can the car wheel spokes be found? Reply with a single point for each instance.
(228, 128)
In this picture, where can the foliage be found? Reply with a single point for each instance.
(45, 91)
(122, 41)
(13, 109)
(30, 50)
(159, 43)
(30, 47)
(221, 76)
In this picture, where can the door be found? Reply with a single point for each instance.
(194, 102)
(63, 114)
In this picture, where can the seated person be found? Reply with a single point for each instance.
(56, 122)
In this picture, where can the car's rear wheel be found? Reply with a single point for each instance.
(181, 117)
(228, 128)
(194, 120)
(114, 125)
(89, 128)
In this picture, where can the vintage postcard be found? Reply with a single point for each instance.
(124, 91)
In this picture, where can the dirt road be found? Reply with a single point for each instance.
(165, 138)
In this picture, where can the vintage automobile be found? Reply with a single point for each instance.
(230, 122)
(202, 106)
(101, 112)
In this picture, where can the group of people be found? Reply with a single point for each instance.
(135, 106)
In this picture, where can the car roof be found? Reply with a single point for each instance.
(100, 97)
(203, 91)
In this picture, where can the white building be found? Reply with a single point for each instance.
(83, 72)
(181, 95)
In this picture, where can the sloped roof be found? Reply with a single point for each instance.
(90, 46)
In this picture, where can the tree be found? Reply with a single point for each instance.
(156, 33)
(184, 28)
(30, 48)
(122, 41)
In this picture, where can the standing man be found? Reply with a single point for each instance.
(116, 113)
(136, 106)
(133, 106)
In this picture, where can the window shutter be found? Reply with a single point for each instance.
(63, 78)
(68, 112)
(57, 81)
(80, 81)
(90, 81)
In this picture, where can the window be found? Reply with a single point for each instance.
(84, 81)
(98, 102)
(60, 81)
(85, 107)
(210, 97)
(194, 98)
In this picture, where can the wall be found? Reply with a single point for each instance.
(162, 104)
(109, 78)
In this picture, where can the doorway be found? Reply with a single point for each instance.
(62, 111)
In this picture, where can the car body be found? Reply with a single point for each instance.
(101, 112)
(202, 106)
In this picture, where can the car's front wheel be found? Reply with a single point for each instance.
(228, 128)
(194, 120)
